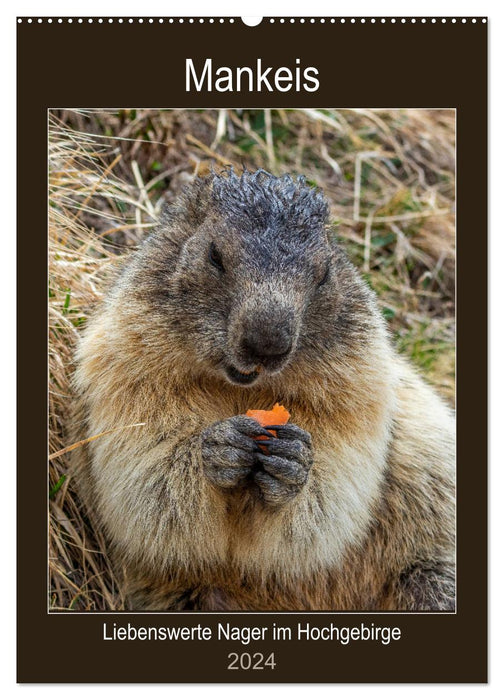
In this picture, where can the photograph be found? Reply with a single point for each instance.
(251, 359)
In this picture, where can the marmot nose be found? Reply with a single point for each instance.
(265, 345)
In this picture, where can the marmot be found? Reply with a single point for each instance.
(238, 300)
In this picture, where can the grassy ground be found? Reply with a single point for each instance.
(389, 178)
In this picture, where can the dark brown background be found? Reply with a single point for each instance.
(360, 65)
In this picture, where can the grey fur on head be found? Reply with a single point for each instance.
(268, 201)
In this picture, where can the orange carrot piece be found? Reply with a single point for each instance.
(277, 416)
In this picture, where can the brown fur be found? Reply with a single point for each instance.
(372, 529)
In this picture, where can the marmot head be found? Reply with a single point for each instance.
(243, 272)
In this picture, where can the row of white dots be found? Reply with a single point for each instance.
(292, 20)
(120, 20)
(383, 20)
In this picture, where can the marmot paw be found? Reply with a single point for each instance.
(286, 467)
(229, 451)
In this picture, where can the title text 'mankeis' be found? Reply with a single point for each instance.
(253, 78)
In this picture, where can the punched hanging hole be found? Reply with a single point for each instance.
(251, 21)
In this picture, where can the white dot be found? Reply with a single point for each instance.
(231, 21)
(474, 21)
(111, 20)
(49, 20)
(424, 20)
(433, 20)
(221, 20)
(181, 20)
(352, 21)
(272, 21)
(322, 21)
(20, 21)
(90, 21)
(292, 20)
(282, 21)
(403, 20)
(454, 20)
(333, 20)
(464, 21)
(393, 20)
(484, 21)
(69, 21)
(443, 20)
(140, 21)
(170, 21)
(120, 21)
(191, 21)
(80, 20)
(413, 20)
(312, 20)
(383, 20)
(302, 21)
(201, 20)
(100, 21)
(343, 21)
(211, 21)
(373, 21)
(363, 20)
(39, 21)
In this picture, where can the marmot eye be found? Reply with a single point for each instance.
(215, 257)
(325, 276)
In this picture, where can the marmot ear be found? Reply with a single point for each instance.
(194, 202)
(179, 220)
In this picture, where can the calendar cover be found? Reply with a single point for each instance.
(254, 257)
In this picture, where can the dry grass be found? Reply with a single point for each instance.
(388, 174)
